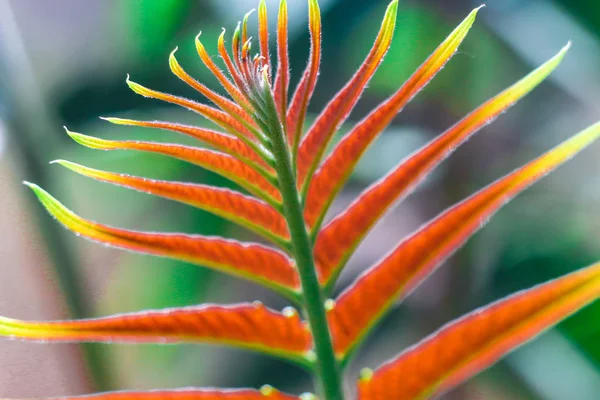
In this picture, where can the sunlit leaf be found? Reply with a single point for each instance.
(299, 103)
(265, 393)
(474, 342)
(219, 140)
(222, 164)
(254, 262)
(337, 241)
(336, 169)
(249, 326)
(405, 267)
(233, 91)
(246, 211)
(282, 77)
(231, 108)
(337, 110)
(220, 118)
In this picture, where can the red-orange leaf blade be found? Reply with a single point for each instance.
(466, 346)
(233, 91)
(219, 140)
(219, 163)
(231, 108)
(306, 87)
(254, 262)
(336, 169)
(246, 211)
(249, 326)
(220, 118)
(263, 34)
(337, 241)
(266, 393)
(282, 78)
(404, 268)
(319, 135)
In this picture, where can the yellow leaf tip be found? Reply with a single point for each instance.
(113, 120)
(61, 162)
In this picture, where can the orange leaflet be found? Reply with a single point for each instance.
(306, 87)
(404, 268)
(336, 169)
(266, 393)
(464, 347)
(219, 140)
(222, 164)
(218, 117)
(246, 211)
(319, 135)
(254, 262)
(337, 241)
(282, 77)
(233, 70)
(249, 326)
(226, 105)
(263, 34)
(225, 82)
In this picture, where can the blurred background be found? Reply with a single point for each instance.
(64, 62)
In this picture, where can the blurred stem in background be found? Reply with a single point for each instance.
(28, 120)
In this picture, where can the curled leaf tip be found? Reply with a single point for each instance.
(61, 162)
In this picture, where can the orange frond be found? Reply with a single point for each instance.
(222, 164)
(234, 69)
(219, 140)
(338, 240)
(263, 34)
(248, 326)
(245, 211)
(254, 262)
(466, 346)
(220, 118)
(302, 95)
(405, 267)
(231, 108)
(336, 169)
(265, 393)
(282, 77)
(234, 92)
(338, 109)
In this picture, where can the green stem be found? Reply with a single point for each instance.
(328, 368)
